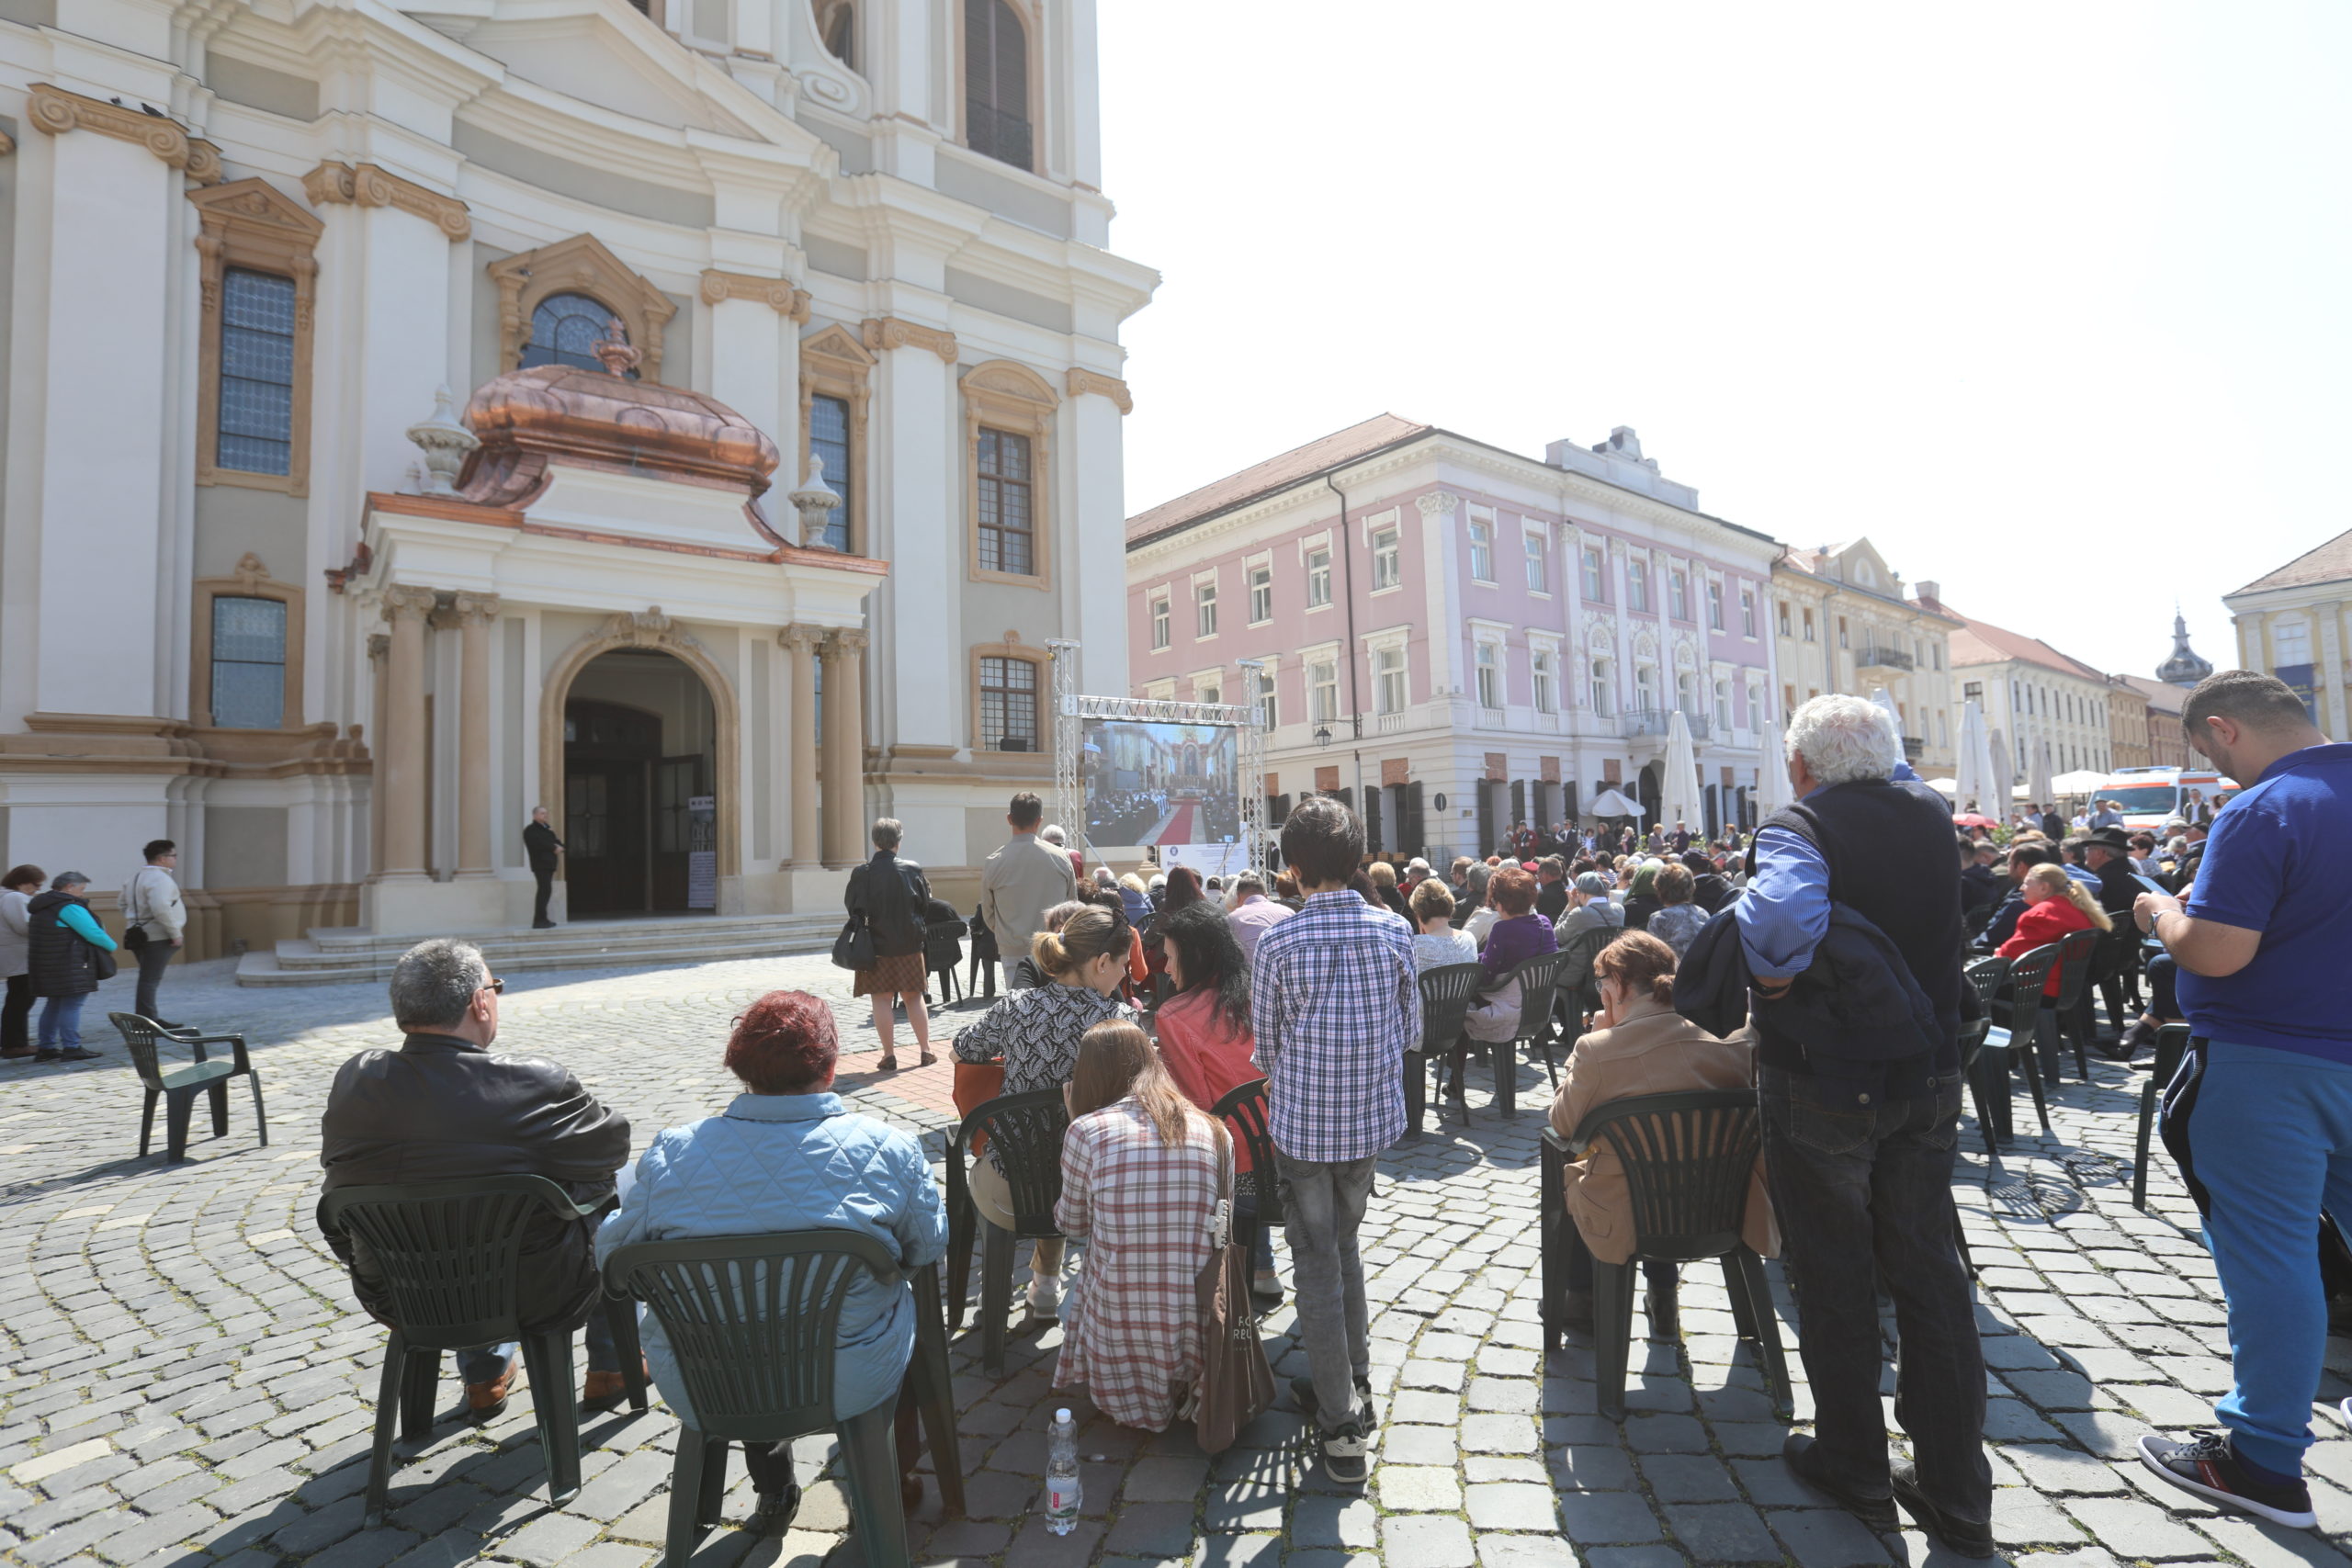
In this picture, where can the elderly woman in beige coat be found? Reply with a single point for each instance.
(1641, 1046)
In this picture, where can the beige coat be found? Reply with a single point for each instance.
(1020, 883)
(1654, 1051)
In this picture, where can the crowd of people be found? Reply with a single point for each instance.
(54, 950)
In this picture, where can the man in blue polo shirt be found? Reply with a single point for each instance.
(2261, 1117)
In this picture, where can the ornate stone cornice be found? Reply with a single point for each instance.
(403, 600)
(53, 109)
(340, 184)
(888, 332)
(779, 292)
(469, 608)
(1081, 382)
(846, 640)
(1437, 504)
(647, 628)
(800, 638)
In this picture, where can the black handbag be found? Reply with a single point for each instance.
(102, 964)
(853, 948)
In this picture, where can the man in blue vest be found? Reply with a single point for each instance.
(2260, 1116)
(1858, 1129)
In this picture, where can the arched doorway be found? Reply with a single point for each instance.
(640, 782)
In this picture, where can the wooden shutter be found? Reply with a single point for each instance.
(1372, 820)
(1412, 834)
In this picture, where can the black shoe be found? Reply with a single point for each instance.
(1303, 1389)
(1661, 1306)
(1576, 1309)
(75, 1054)
(1343, 1451)
(2128, 1043)
(170, 1028)
(1966, 1539)
(1801, 1454)
(2208, 1467)
(776, 1511)
(42, 1056)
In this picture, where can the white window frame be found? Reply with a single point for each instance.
(1308, 548)
(1211, 682)
(1595, 570)
(1535, 546)
(1393, 533)
(1268, 696)
(1637, 588)
(1322, 657)
(1486, 665)
(1163, 617)
(1543, 676)
(1678, 595)
(1723, 703)
(1204, 607)
(1747, 614)
(1601, 686)
(1160, 690)
(1249, 570)
(1714, 605)
(1482, 543)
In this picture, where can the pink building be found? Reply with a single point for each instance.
(1455, 636)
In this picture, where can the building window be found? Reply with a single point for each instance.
(1491, 675)
(256, 373)
(1646, 688)
(1603, 680)
(1008, 704)
(1387, 568)
(1715, 605)
(1159, 631)
(1266, 701)
(1937, 649)
(1539, 669)
(828, 439)
(1482, 550)
(248, 663)
(1388, 678)
(1723, 706)
(1205, 608)
(1538, 579)
(1788, 699)
(1841, 631)
(1319, 577)
(1595, 580)
(565, 330)
(1942, 738)
(1682, 693)
(1679, 595)
(837, 25)
(1261, 595)
(1322, 691)
(1746, 613)
(1781, 605)
(1637, 587)
(1972, 692)
(1209, 690)
(1007, 519)
(1809, 635)
(996, 83)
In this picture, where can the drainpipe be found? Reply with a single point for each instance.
(1348, 586)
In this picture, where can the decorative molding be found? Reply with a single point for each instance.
(252, 225)
(889, 332)
(846, 640)
(379, 646)
(580, 264)
(1437, 505)
(249, 579)
(470, 608)
(647, 628)
(798, 638)
(779, 292)
(1005, 396)
(53, 109)
(1082, 382)
(340, 184)
(404, 600)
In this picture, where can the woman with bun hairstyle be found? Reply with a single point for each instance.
(1639, 1044)
(1036, 1033)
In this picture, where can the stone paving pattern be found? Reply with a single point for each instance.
(187, 1381)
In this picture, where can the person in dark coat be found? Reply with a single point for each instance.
(63, 944)
(943, 945)
(892, 895)
(985, 960)
(445, 1108)
(540, 846)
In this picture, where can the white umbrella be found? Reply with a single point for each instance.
(1614, 802)
(1880, 696)
(1771, 774)
(1947, 787)
(1679, 798)
(1972, 786)
(1993, 762)
(2039, 788)
(2079, 783)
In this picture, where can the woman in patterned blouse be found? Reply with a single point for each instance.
(1142, 1168)
(1035, 1033)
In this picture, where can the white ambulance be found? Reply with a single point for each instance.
(2149, 795)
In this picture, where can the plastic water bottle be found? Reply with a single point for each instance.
(1061, 1475)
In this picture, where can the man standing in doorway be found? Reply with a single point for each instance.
(153, 920)
(1021, 882)
(541, 845)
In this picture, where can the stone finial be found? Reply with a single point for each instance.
(613, 350)
(446, 445)
(815, 503)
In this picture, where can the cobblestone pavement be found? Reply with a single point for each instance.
(186, 1380)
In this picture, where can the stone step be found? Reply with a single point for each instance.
(335, 957)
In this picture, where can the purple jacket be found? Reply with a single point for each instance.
(1514, 942)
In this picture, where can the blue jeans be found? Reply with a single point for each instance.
(61, 1022)
(2270, 1138)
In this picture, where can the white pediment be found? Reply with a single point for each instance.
(641, 507)
(607, 56)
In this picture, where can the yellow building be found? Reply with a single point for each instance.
(1841, 623)
(2296, 623)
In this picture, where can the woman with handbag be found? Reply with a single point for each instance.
(68, 953)
(888, 896)
(1143, 1169)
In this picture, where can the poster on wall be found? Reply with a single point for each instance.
(702, 852)
(1160, 786)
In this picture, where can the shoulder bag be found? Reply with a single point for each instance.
(1235, 1385)
(853, 948)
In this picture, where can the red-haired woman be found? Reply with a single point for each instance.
(1518, 934)
(787, 1154)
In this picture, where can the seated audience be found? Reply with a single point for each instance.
(2055, 904)
(1438, 944)
(1678, 919)
(1253, 912)
(1589, 908)
(1641, 898)
(1519, 934)
(1384, 883)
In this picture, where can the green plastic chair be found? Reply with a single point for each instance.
(2172, 1043)
(1025, 1133)
(2028, 973)
(1984, 977)
(1447, 992)
(178, 1087)
(448, 1252)
(1537, 979)
(753, 1324)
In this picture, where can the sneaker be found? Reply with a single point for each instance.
(1343, 1451)
(1303, 1389)
(1045, 1297)
(1802, 1456)
(2207, 1466)
(1962, 1538)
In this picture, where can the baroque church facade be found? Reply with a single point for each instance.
(777, 346)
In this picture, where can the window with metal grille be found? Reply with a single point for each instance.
(248, 662)
(1008, 704)
(256, 373)
(996, 83)
(565, 330)
(1007, 524)
(828, 439)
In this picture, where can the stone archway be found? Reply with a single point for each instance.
(652, 629)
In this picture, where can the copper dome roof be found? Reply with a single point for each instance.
(598, 419)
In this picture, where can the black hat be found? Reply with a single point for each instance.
(2107, 839)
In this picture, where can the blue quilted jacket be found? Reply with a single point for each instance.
(786, 1162)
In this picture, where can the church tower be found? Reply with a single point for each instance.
(2184, 667)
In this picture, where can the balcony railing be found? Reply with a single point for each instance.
(1639, 722)
(1885, 659)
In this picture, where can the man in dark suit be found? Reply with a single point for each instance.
(541, 845)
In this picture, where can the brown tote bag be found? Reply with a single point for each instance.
(1237, 1386)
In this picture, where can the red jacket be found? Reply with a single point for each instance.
(2041, 925)
(1206, 1058)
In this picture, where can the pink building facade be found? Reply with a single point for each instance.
(1453, 637)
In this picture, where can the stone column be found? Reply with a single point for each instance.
(476, 614)
(400, 766)
(800, 647)
(845, 745)
(379, 647)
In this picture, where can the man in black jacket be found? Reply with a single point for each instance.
(540, 846)
(1860, 1125)
(444, 1108)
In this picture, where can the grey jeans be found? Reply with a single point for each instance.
(153, 959)
(1323, 1209)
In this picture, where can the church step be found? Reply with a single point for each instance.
(305, 961)
(691, 928)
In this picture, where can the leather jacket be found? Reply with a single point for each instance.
(440, 1109)
(891, 893)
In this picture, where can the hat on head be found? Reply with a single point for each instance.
(1592, 883)
(2109, 838)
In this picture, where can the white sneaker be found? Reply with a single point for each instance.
(1045, 1296)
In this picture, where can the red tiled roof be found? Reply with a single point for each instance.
(2160, 697)
(1274, 474)
(1981, 642)
(2329, 562)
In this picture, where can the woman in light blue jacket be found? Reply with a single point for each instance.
(786, 1155)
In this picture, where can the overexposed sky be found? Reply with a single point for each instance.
(2052, 302)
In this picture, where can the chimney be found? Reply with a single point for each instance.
(1930, 591)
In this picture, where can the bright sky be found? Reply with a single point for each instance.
(2049, 301)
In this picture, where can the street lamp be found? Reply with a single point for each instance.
(1322, 735)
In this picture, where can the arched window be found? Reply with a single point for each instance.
(565, 329)
(996, 82)
(837, 25)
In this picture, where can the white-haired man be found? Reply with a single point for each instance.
(1859, 1124)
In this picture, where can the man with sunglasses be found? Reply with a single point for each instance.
(444, 1107)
